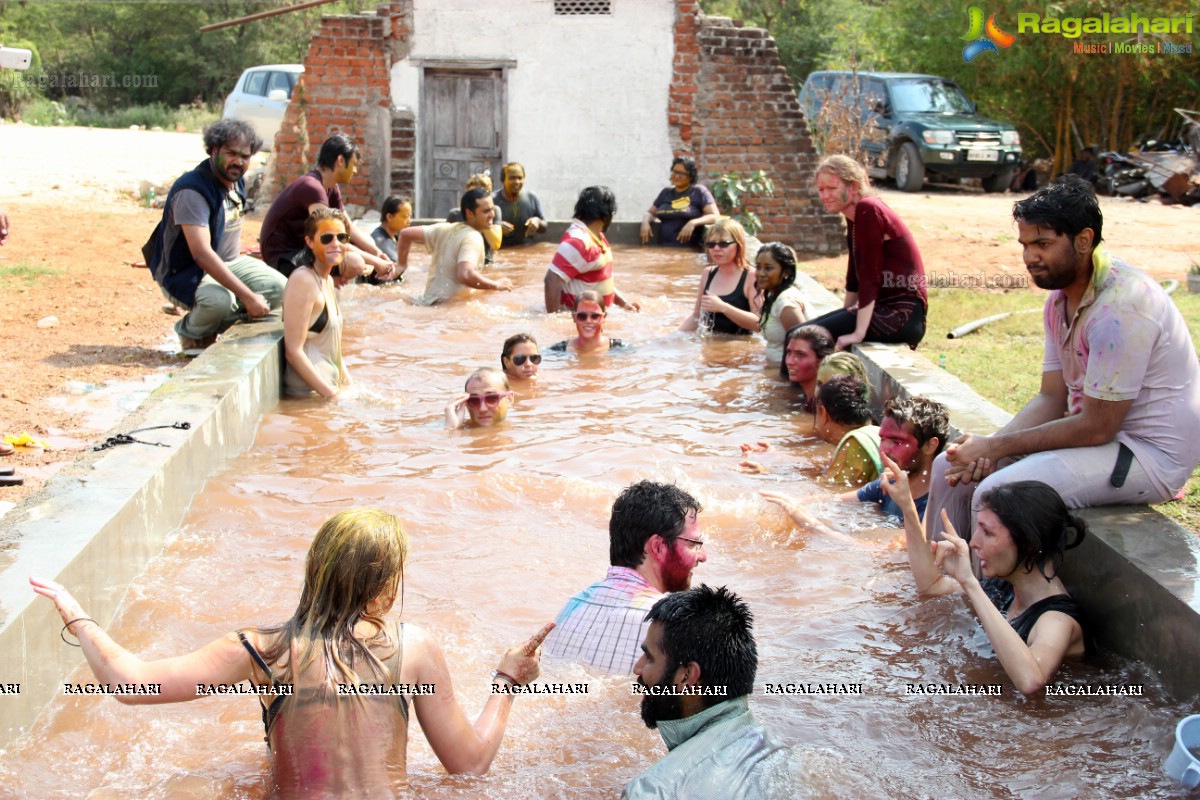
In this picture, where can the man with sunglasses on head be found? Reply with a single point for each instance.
(484, 402)
(282, 234)
(195, 252)
(583, 260)
(654, 545)
(458, 251)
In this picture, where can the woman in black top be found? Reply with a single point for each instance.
(728, 300)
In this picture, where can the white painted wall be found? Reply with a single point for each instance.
(587, 99)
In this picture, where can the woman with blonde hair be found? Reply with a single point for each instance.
(728, 300)
(336, 678)
(886, 299)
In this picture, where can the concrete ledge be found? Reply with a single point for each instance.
(99, 521)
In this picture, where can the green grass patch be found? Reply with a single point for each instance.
(26, 274)
(49, 112)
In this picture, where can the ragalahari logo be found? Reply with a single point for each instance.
(981, 38)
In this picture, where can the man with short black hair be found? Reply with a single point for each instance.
(195, 252)
(654, 544)
(1117, 419)
(282, 234)
(696, 671)
(583, 260)
(458, 251)
(523, 217)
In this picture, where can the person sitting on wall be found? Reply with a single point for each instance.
(583, 260)
(282, 234)
(485, 401)
(312, 317)
(886, 298)
(654, 544)
(522, 212)
(1085, 166)
(394, 216)
(1022, 530)
(194, 253)
(697, 669)
(1117, 419)
(913, 432)
(682, 209)
(493, 236)
(457, 249)
(326, 741)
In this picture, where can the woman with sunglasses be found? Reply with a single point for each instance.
(682, 209)
(728, 301)
(520, 358)
(337, 681)
(589, 315)
(312, 319)
(484, 402)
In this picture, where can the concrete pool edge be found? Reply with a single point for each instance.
(100, 520)
(98, 531)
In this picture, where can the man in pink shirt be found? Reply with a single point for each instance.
(1117, 419)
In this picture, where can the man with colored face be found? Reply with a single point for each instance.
(522, 212)
(695, 675)
(913, 432)
(1117, 419)
(654, 545)
(282, 233)
(195, 252)
(458, 251)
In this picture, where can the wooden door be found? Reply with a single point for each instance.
(461, 134)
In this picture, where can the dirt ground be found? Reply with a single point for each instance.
(76, 225)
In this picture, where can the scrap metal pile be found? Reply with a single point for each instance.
(1170, 170)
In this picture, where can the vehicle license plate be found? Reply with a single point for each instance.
(983, 155)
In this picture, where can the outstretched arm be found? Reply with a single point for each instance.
(929, 579)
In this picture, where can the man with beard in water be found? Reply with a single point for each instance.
(1117, 419)
(654, 544)
(195, 252)
(695, 674)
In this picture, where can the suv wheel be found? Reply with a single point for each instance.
(1000, 181)
(910, 170)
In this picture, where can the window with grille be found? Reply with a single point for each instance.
(580, 7)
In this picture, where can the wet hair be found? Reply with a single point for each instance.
(319, 215)
(927, 417)
(596, 203)
(357, 556)
(488, 374)
(590, 296)
(480, 180)
(735, 231)
(1066, 206)
(844, 399)
(393, 204)
(337, 146)
(715, 629)
(847, 170)
(817, 337)
(510, 165)
(511, 343)
(227, 131)
(470, 200)
(786, 258)
(845, 363)
(689, 164)
(1042, 528)
(642, 510)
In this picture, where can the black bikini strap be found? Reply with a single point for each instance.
(258, 659)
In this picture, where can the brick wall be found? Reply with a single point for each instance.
(734, 108)
(345, 89)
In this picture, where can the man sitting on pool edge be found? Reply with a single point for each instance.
(696, 671)
(654, 544)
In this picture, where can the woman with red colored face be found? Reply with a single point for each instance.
(312, 319)
(728, 300)
(1021, 532)
(803, 349)
(885, 278)
(589, 315)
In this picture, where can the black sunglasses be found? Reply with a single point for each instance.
(326, 238)
(533, 359)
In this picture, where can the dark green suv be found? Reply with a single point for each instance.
(915, 125)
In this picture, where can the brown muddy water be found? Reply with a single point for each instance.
(507, 523)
